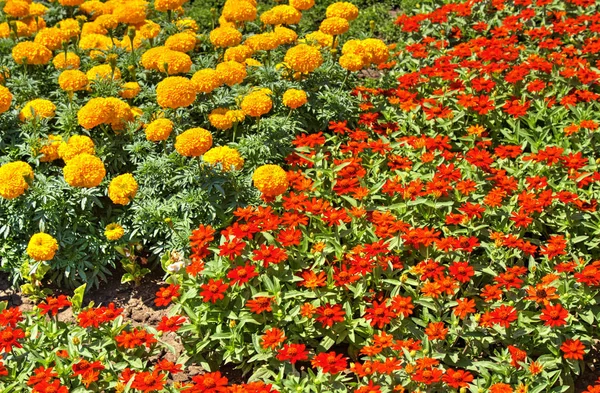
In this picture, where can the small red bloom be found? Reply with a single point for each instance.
(554, 315)
(165, 295)
(330, 362)
(293, 353)
(213, 291)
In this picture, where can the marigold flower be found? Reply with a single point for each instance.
(73, 80)
(193, 142)
(71, 3)
(256, 104)
(159, 130)
(31, 53)
(264, 41)
(166, 5)
(175, 92)
(173, 62)
(51, 37)
(294, 98)
(224, 37)
(5, 99)
(42, 247)
(318, 37)
(303, 58)
(218, 118)
(84, 170)
(239, 11)
(39, 108)
(14, 179)
(231, 72)
(49, 150)
(302, 5)
(103, 71)
(351, 62)
(228, 158)
(271, 180)
(235, 115)
(16, 8)
(131, 11)
(342, 9)
(97, 41)
(181, 42)
(69, 27)
(76, 145)
(238, 53)
(114, 231)
(130, 90)
(281, 15)
(102, 111)
(334, 26)
(22, 29)
(285, 35)
(66, 61)
(206, 80)
(122, 189)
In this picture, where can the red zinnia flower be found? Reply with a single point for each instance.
(379, 314)
(53, 304)
(504, 315)
(208, 383)
(170, 324)
(260, 304)
(330, 314)
(293, 353)
(457, 378)
(330, 362)
(242, 274)
(165, 295)
(213, 291)
(272, 338)
(9, 338)
(573, 349)
(149, 381)
(554, 315)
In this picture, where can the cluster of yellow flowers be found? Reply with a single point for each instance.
(109, 110)
(14, 179)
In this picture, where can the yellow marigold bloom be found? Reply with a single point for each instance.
(256, 104)
(377, 49)
(334, 26)
(76, 145)
(239, 11)
(253, 63)
(159, 130)
(84, 170)
(302, 5)
(49, 150)
(206, 80)
(131, 12)
(294, 98)
(236, 115)
(42, 247)
(114, 231)
(93, 8)
(231, 72)
(95, 41)
(271, 180)
(71, 3)
(22, 29)
(228, 158)
(181, 42)
(187, 24)
(173, 62)
(225, 23)
(303, 58)
(193, 142)
(103, 71)
(166, 5)
(285, 35)
(14, 179)
(37, 9)
(122, 189)
(130, 90)
(34, 24)
(281, 15)
(121, 113)
(37, 108)
(97, 111)
(51, 37)
(69, 27)
(89, 28)
(342, 9)
(324, 40)
(16, 8)
(31, 53)
(5, 99)
(149, 29)
(108, 21)
(264, 41)
(218, 118)
(175, 92)
(224, 37)
(238, 53)
(351, 62)
(73, 80)
(68, 61)
(152, 56)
